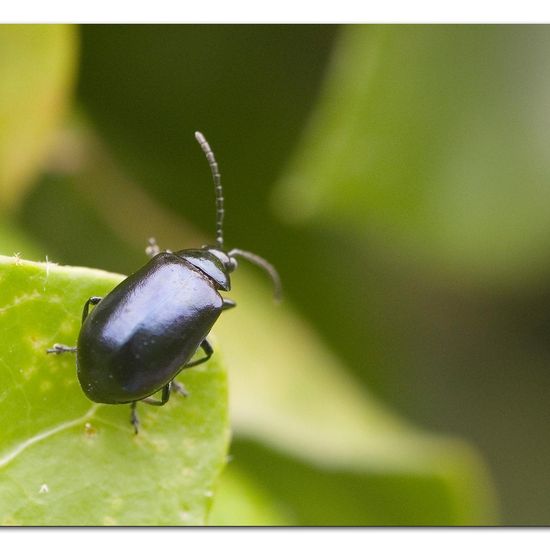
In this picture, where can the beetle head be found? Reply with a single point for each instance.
(229, 263)
(218, 264)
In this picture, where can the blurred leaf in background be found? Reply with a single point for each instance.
(241, 502)
(435, 139)
(429, 148)
(324, 446)
(37, 64)
(158, 85)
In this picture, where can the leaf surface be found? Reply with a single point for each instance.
(67, 461)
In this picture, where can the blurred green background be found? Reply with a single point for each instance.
(399, 179)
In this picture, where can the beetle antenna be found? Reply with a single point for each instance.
(217, 184)
(264, 264)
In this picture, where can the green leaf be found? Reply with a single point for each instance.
(67, 461)
(433, 140)
(37, 64)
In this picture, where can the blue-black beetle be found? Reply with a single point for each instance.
(146, 330)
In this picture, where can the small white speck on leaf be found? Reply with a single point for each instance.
(44, 489)
(89, 430)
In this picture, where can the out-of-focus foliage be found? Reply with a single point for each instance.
(37, 64)
(159, 85)
(428, 152)
(418, 270)
(435, 140)
(14, 241)
(313, 494)
(66, 461)
(239, 501)
(309, 433)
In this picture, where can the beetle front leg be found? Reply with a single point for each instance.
(152, 248)
(207, 348)
(228, 304)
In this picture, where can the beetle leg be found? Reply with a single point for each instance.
(208, 349)
(178, 387)
(228, 304)
(94, 300)
(134, 419)
(152, 248)
(163, 400)
(61, 348)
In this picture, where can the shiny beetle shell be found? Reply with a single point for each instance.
(137, 339)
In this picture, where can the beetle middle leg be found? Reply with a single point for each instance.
(163, 399)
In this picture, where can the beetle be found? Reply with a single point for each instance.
(137, 339)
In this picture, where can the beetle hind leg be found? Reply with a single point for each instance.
(134, 418)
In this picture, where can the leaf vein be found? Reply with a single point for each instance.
(14, 453)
